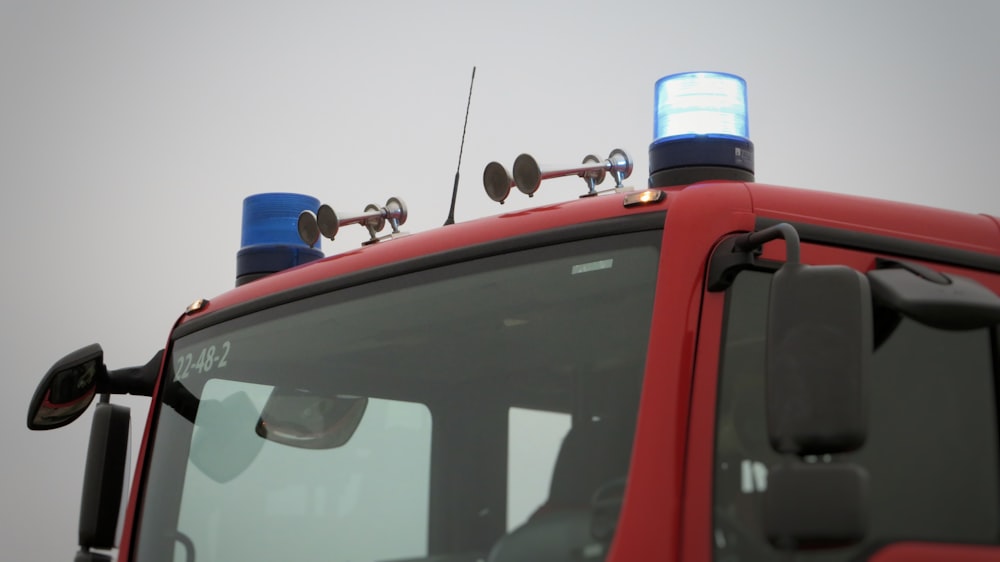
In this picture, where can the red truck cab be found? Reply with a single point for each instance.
(710, 370)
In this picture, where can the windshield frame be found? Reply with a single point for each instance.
(583, 231)
(598, 229)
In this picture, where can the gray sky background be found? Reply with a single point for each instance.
(130, 133)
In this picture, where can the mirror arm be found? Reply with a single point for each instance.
(138, 381)
(754, 240)
(182, 401)
(739, 252)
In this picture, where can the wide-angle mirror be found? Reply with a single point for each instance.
(67, 388)
(299, 418)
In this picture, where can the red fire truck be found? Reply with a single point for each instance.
(701, 368)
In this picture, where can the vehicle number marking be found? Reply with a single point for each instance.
(208, 358)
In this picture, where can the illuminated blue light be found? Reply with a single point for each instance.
(270, 237)
(272, 218)
(700, 103)
(700, 130)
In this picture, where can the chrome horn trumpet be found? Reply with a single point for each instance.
(327, 222)
(497, 182)
(528, 175)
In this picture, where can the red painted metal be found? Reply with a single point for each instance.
(874, 216)
(129, 525)
(651, 516)
(668, 508)
(912, 222)
(936, 552)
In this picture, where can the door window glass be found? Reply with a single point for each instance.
(534, 437)
(931, 452)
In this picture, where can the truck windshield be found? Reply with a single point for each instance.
(449, 414)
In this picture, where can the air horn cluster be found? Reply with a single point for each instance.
(528, 175)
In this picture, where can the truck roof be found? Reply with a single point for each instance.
(964, 232)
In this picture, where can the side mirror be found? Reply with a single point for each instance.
(947, 302)
(310, 421)
(819, 341)
(67, 389)
(816, 505)
(104, 480)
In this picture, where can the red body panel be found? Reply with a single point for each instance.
(129, 524)
(432, 242)
(980, 233)
(901, 220)
(697, 218)
(935, 552)
(667, 510)
(699, 466)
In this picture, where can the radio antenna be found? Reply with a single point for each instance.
(454, 190)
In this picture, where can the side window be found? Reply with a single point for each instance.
(931, 452)
(533, 441)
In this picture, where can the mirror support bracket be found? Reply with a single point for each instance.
(137, 381)
(740, 252)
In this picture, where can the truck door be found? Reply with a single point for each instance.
(931, 454)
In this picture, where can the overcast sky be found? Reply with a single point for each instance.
(130, 133)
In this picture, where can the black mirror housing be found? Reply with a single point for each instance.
(819, 345)
(104, 476)
(67, 389)
(816, 505)
(947, 302)
(309, 421)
